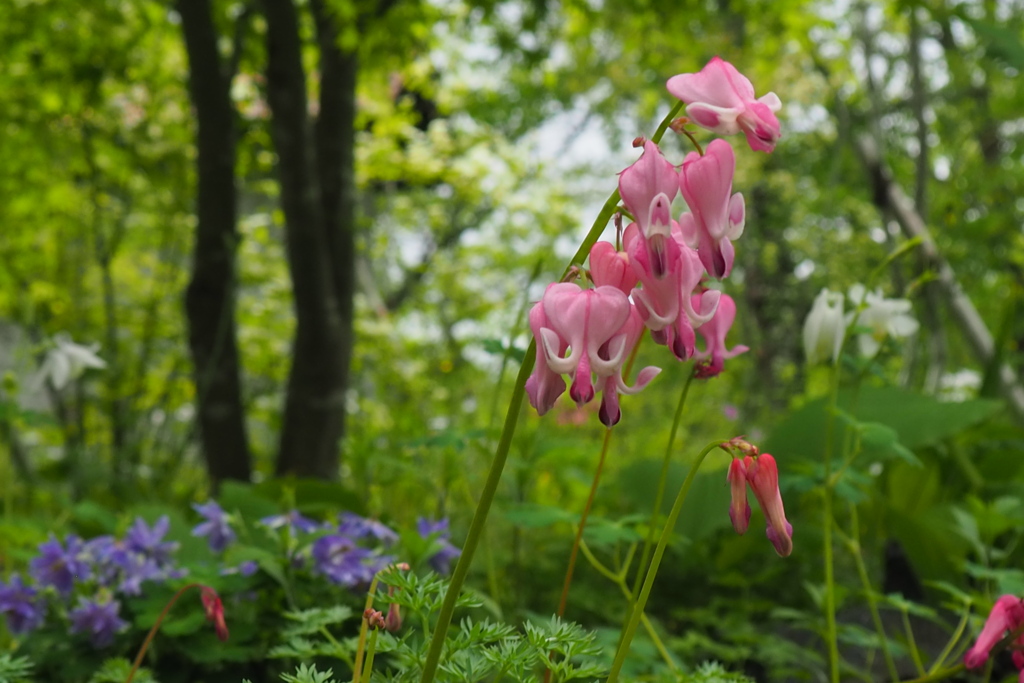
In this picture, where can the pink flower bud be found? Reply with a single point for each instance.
(1007, 615)
(739, 508)
(763, 477)
(214, 610)
(611, 267)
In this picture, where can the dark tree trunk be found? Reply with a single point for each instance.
(335, 136)
(314, 407)
(210, 299)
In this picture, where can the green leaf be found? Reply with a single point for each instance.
(267, 561)
(537, 515)
(918, 421)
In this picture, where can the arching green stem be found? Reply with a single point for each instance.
(659, 497)
(640, 601)
(583, 524)
(483, 508)
(156, 627)
(590, 502)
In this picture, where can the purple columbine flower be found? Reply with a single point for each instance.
(107, 556)
(352, 525)
(122, 567)
(444, 552)
(138, 568)
(59, 567)
(343, 562)
(216, 527)
(99, 618)
(294, 520)
(247, 568)
(149, 541)
(18, 603)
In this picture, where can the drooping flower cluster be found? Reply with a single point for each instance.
(759, 472)
(875, 317)
(1007, 616)
(659, 279)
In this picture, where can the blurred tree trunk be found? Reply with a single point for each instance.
(210, 298)
(316, 170)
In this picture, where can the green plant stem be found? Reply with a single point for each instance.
(853, 543)
(370, 650)
(830, 589)
(940, 660)
(620, 581)
(339, 650)
(483, 508)
(357, 668)
(915, 654)
(938, 676)
(640, 601)
(700, 150)
(606, 442)
(156, 627)
(659, 497)
(444, 617)
(583, 523)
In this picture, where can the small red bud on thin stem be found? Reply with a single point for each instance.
(211, 606)
(740, 445)
(678, 125)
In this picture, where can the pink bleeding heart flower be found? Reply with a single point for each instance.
(665, 303)
(648, 188)
(714, 332)
(717, 215)
(739, 508)
(1007, 615)
(721, 99)
(613, 385)
(544, 385)
(763, 478)
(590, 322)
(611, 267)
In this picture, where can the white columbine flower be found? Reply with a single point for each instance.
(960, 385)
(824, 328)
(66, 361)
(883, 317)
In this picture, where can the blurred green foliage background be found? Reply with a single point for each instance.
(486, 135)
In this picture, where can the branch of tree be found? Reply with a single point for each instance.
(888, 195)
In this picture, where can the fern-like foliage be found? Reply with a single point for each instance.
(15, 669)
(309, 674)
(476, 650)
(306, 622)
(709, 672)
(116, 671)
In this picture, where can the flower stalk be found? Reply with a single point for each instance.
(640, 602)
(163, 615)
(645, 554)
(483, 508)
